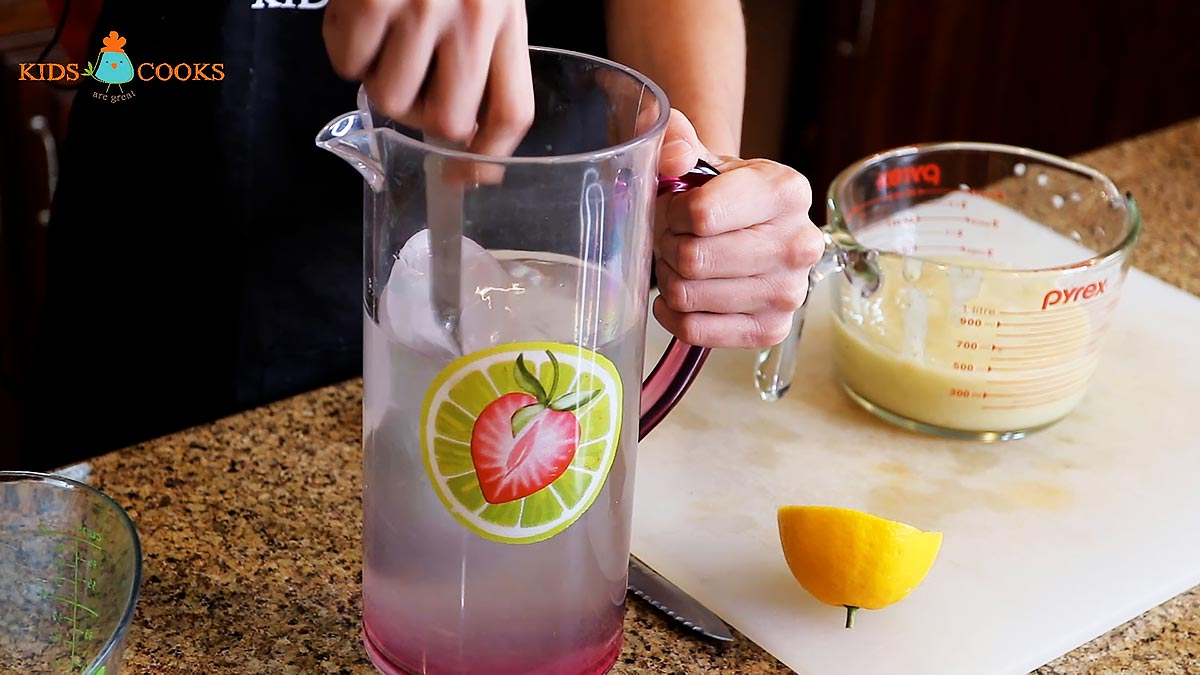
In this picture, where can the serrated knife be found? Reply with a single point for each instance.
(672, 601)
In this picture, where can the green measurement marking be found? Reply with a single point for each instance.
(82, 540)
(78, 576)
(74, 603)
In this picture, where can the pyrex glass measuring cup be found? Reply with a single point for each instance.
(70, 570)
(977, 284)
(503, 399)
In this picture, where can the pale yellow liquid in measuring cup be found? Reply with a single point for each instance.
(963, 351)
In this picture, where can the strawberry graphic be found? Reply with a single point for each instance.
(522, 442)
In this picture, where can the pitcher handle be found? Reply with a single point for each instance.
(681, 363)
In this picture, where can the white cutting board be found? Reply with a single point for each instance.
(1050, 541)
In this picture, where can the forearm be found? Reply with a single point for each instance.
(694, 49)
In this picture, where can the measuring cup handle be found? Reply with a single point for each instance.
(681, 363)
(776, 366)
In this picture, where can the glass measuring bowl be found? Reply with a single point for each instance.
(977, 284)
(70, 570)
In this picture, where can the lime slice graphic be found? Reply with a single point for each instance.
(518, 439)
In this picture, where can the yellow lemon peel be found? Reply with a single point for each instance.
(854, 559)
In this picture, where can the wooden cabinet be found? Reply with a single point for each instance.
(23, 16)
(33, 121)
(1063, 76)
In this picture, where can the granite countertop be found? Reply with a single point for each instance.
(251, 525)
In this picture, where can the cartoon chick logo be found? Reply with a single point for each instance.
(114, 66)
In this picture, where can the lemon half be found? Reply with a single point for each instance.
(853, 559)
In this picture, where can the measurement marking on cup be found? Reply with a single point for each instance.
(1033, 349)
(1023, 364)
(73, 546)
(937, 247)
(1012, 401)
(918, 192)
(1048, 321)
(1015, 342)
(75, 604)
(968, 220)
(1039, 359)
(952, 248)
(1022, 406)
(1033, 399)
(1045, 327)
(68, 535)
(1055, 378)
(1053, 391)
(1038, 330)
(1022, 329)
(1025, 343)
(928, 229)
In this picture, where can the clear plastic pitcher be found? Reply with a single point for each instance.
(70, 571)
(977, 284)
(503, 399)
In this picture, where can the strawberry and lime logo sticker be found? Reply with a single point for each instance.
(518, 439)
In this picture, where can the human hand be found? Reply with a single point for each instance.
(456, 69)
(733, 255)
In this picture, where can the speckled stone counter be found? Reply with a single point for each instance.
(251, 525)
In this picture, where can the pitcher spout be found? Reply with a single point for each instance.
(349, 137)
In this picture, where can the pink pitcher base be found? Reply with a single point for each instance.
(591, 660)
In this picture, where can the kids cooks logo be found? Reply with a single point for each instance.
(113, 68)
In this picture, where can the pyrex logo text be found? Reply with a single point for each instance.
(1069, 295)
(289, 4)
(930, 174)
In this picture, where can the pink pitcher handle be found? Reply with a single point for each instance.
(681, 363)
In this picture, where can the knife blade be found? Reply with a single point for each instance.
(672, 601)
(444, 205)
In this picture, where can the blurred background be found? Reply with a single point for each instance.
(829, 82)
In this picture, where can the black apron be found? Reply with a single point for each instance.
(205, 256)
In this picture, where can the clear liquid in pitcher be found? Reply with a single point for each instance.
(438, 597)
